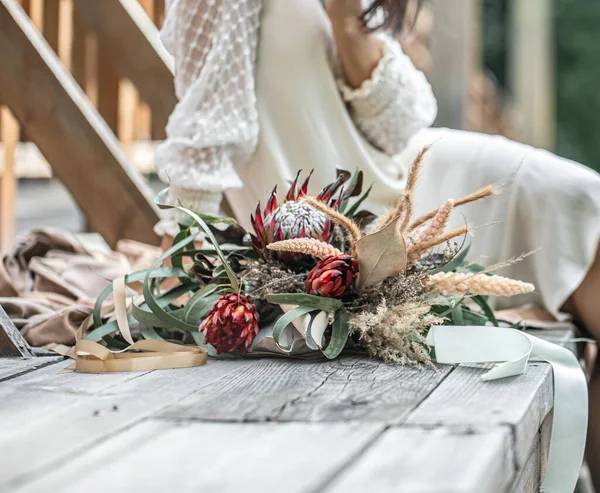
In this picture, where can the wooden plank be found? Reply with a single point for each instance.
(15, 367)
(127, 32)
(161, 456)
(352, 388)
(408, 460)
(51, 23)
(74, 411)
(83, 152)
(108, 90)
(464, 401)
(12, 343)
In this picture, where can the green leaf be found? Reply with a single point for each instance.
(305, 300)
(204, 226)
(105, 330)
(201, 341)
(171, 321)
(157, 273)
(456, 262)
(339, 336)
(473, 318)
(195, 312)
(489, 313)
(358, 203)
(457, 315)
(150, 333)
(285, 320)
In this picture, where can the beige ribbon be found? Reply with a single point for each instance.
(91, 357)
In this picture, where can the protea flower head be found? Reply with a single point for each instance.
(293, 219)
(332, 277)
(231, 325)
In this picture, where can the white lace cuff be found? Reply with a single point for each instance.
(196, 200)
(379, 91)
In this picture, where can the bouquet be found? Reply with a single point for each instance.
(315, 275)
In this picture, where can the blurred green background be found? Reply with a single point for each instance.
(577, 58)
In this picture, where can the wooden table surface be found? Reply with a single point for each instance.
(271, 425)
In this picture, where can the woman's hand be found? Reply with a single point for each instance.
(358, 50)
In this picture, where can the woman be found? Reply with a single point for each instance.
(267, 87)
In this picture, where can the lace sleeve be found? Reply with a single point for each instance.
(215, 124)
(395, 103)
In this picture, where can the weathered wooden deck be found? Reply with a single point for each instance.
(351, 425)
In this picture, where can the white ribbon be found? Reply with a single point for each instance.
(512, 348)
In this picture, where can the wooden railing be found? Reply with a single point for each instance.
(93, 65)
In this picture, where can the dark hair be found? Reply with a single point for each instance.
(394, 14)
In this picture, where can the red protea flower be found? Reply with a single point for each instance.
(231, 325)
(293, 219)
(332, 276)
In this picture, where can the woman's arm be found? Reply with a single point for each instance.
(389, 99)
(215, 124)
(358, 50)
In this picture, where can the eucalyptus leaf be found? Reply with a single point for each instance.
(305, 300)
(339, 335)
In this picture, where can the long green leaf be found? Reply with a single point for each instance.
(339, 335)
(358, 203)
(157, 273)
(171, 321)
(199, 310)
(104, 330)
(202, 224)
(150, 333)
(457, 315)
(285, 320)
(306, 300)
(489, 313)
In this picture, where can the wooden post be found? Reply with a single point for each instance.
(455, 51)
(9, 136)
(12, 343)
(532, 71)
(123, 28)
(60, 120)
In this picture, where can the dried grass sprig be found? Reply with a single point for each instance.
(450, 283)
(396, 333)
(414, 250)
(307, 246)
(482, 193)
(348, 224)
(509, 262)
(405, 206)
(437, 225)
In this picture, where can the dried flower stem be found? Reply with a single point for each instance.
(405, 205)
(348, 224)
(307, 246)
(449, 283)
(478, 195)
(426, 245)
(437, 225)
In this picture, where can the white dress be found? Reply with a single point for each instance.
(261, 97)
